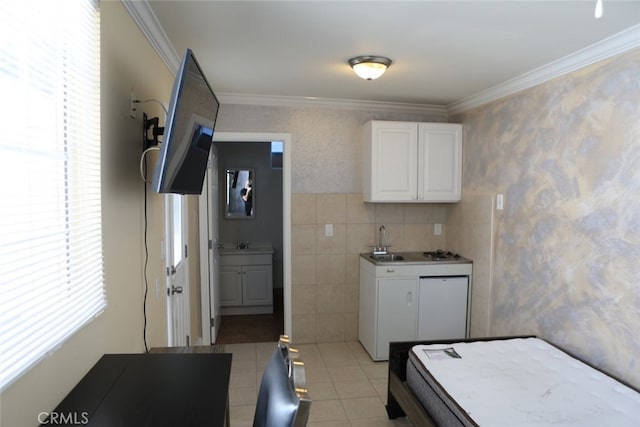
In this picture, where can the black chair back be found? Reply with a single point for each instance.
(282, 399)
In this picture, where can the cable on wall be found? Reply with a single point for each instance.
(143, 174)
(138, 101)
(157, 131)
(146, 280)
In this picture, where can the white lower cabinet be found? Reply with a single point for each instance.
(400, 303)
(230, 286)
(397, 302)
(246, 284)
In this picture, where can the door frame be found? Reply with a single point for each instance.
(286, 228)
(183, 323)
(209, 267)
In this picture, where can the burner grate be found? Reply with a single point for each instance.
(440, 255)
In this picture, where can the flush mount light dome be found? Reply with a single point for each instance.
(369, 67)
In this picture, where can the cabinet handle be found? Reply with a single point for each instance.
(409, 298)
(390, 270)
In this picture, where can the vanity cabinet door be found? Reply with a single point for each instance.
(257, 285)
(230, 286)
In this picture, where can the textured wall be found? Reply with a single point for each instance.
(566, 155)
(326, 149)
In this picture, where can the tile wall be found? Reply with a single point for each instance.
(325, 269)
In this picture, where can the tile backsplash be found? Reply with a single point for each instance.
(325, 269)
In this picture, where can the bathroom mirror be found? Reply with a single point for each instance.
(240, 197)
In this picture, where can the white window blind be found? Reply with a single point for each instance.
(51, 268)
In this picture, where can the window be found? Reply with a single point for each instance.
(51, 277)
(276, 154)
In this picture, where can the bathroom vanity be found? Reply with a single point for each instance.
(246, 281)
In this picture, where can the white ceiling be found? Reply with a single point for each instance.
(443, 52)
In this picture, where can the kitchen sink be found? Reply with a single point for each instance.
(387, 257)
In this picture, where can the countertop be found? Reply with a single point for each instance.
(412, 258)
(249, 251)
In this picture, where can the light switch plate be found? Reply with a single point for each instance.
(437, 229)
(328, 230)
(500, 202)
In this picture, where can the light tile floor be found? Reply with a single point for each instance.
(347, 388)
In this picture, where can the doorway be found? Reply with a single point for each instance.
(250, 197)
(257, 226)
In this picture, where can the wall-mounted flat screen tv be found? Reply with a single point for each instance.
(188, 132)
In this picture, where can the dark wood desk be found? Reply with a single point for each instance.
(159, 389)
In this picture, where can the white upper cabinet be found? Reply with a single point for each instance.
(412, 162)
(440, 162)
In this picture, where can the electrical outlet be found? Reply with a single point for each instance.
(133, 106)
(437, 229)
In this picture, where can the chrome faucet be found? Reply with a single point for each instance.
(380, 248)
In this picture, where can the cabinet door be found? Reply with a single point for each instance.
(230, 286)
(397, 313)
(440, 162)
(443, 308)
(392, 173)
(257, 285)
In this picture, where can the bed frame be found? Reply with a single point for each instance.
(401, 400)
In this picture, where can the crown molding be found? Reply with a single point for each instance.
(346, 104)
(146, 20)
(153, 31)
(611, 46)
(616, 44)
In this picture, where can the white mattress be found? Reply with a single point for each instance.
(528, 382)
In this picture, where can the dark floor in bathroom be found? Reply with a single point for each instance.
(253, 328)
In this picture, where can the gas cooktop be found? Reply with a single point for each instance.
(430, 257)
(442, 255)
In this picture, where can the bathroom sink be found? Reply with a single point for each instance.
(387, 257)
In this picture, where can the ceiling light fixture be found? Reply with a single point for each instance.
(369, 67)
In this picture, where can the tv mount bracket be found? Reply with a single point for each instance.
(147, 125)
